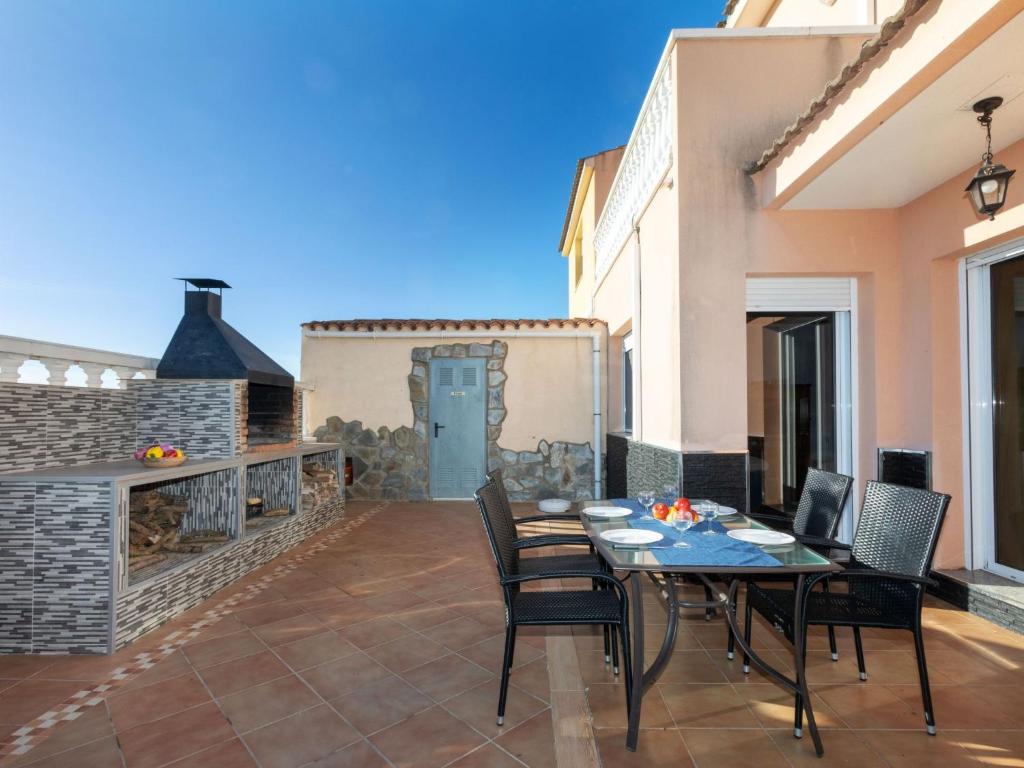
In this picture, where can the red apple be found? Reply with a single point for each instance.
(681, 503)
(660, 511)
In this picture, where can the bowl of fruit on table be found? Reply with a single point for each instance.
(679, 509)
(161, 456)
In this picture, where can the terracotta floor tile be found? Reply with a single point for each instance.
(381, 704)
(394, 602)
(533, 742)
(691, 667)
(608, 707)
(343, 613)
(911, 749)
(959, 707)
(656, 749)
(174, 665)
(870, 706)
(92, 725)
(428, 740)
(341, 676)
(406, 652)
(488, 654)
(156, 701)
(300, 739)
(425, 616)
(227, 754)
(255, 707)
(479, 708)
(239, 674)
(289, 630)
(843, 749)
(533, 678)
(20, 666)
(83, 668)
(154, 744)
(706, 706)
(487, 756)
(435, 588)
(996, 748)
(773, 707)
(268, 614)
(31, 697)
(206, 653)
(459, 633)
(103, 753)
(446, 677)
(373, 632)
(315, 650)
(358, 755)
(714, 748)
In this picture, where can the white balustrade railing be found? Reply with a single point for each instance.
(647, 159)
(68, 365)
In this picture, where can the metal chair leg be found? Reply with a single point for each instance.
(506, 665)
(708, 597)
(831, 630)
(798, 714)
(627, 662)
(926, 691)
(607, 644)
(860, 653)
(748, 624)
(615, 650)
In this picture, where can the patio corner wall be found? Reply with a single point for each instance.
(393, 463)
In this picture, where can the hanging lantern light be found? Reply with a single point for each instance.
(988, 187)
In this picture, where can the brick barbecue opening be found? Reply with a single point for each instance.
(271, 418)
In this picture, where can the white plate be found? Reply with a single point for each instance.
(631, 536)
(607, 512)
(726, 511)
(761, 536)
(554, 505)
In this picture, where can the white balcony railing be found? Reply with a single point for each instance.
(648, 157)
(44, 362)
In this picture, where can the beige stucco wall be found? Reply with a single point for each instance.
(548, 394)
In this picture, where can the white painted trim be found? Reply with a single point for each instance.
(738, 33)
(981, 490)
(825, 294)
(965, 417)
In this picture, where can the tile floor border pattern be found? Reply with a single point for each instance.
(27, 737)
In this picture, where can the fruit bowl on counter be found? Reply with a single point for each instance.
(161, 456)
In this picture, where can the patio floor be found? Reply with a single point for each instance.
(377, 642)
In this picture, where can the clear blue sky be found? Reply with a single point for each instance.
(329, 160)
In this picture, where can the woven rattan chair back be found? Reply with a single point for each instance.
(899, 528)
(501, 530)
(821, 504)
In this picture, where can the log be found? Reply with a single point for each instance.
(144, 561)
(201, 537)
(277, 512)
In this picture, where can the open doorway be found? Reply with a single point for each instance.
(791, 404)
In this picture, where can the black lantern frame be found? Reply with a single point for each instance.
(989, 186)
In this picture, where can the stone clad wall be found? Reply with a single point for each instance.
(394, 464)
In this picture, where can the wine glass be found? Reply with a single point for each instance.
(708, 510)
(646, 499)
(670, 492)
(683, 523)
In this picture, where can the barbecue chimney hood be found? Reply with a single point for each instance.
(206, 347)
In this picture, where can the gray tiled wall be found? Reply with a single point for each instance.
(196, 416)
(276, 482)
(55, 567)
(43, 426)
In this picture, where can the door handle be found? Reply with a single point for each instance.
(437, 427)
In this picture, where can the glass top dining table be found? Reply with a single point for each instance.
(792, 558)
(638, 562)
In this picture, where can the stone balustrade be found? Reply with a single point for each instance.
(68, 365)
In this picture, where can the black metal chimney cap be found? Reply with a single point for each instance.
(203, 283)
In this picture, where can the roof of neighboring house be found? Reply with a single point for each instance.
(730, 6)
(575, 186)
(440, 324)
(869, 50)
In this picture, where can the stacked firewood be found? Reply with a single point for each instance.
(318, 486)
(153, 530)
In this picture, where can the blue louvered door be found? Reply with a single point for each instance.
(457, 429)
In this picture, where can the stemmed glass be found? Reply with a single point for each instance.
(682, 524)
(708, 510)
(646, 499)
(669, 492)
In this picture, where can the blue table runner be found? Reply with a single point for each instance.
(722, 550)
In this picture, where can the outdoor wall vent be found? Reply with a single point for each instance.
(900, 466)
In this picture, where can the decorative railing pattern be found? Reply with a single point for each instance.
(647, 158)
(57, 361)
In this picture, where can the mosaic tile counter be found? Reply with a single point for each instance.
(65, 585)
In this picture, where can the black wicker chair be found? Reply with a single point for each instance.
(886, 578)
(815, 524)
(606, 607)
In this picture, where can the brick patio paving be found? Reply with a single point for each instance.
(381, 648)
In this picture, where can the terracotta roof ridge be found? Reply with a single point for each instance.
(436, 324)
(868, 50)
